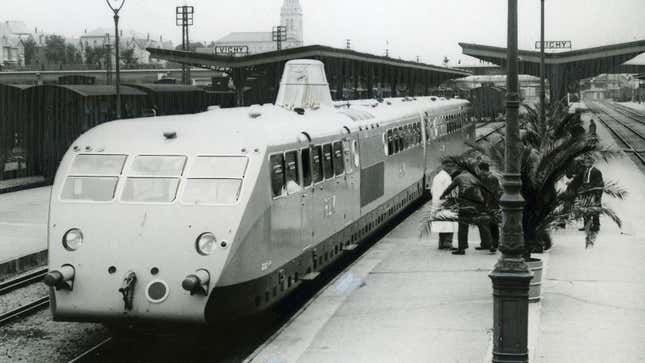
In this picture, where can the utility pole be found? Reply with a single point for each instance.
(348, 43)
(542, 68)
(279, 35)
(511, 275)
(108, 59)
(184, 18)
(387, 48)
(116, 6)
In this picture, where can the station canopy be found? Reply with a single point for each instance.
(350, 74)
(565, 69)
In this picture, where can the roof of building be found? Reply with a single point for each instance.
(165, 88)
(312, 51)
(100, 90)
(246, 37)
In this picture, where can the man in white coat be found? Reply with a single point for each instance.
(446, 230)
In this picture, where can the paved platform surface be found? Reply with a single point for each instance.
(23, 223)
(407, 301)
(640, 107)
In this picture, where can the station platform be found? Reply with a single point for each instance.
(23, 230)
(639, 107)
(406, 301)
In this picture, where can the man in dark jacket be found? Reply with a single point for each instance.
(492, 191)
(591, 186)
(472, 203)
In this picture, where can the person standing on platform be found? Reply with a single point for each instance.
(592, 187)
(446, 230)
(592, 128)
(472, 203)
(492, 192)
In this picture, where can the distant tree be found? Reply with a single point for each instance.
(30, 51)
(127, 57)
(95, 55)
(55, 49)
(72, 55)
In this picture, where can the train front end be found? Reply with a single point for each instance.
(140, 228)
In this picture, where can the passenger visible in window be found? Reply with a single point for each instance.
(292, 178)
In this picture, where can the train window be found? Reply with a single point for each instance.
(328, 167)
(390, 142)
(401, 139)
(357, 157)
(316, 163)
(348, 157)
(150, 165)
(90, 189)
(150, 190)
(232, 167)
(339, 166)
(86, 164)
(306, 166)
(277, 174)
(291, 172)
(212, 191)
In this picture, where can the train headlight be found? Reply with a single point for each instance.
(73, 239)
(206, 243)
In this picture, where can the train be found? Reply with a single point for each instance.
(217, 216)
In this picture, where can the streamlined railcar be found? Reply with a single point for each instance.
(218, 215)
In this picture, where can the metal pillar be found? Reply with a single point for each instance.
(279, 35)
(184, 18)
(108, 60)
(511, 275)
(542, 81)
(116, 7)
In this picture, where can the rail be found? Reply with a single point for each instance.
(24, 310)
(596, 109)
(22, 281)
(88, 352)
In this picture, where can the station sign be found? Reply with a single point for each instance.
(555, 44)
(232, 50)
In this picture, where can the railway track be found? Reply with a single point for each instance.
(29, 308)
(628, 128)
(88, 354)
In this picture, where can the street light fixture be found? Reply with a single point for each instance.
(511, 275)
(115, 6)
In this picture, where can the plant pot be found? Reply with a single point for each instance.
(535, 287)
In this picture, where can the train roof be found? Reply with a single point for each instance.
(226, 131)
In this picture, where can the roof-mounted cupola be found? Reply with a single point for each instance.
(303, 85)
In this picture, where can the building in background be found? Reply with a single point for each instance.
(529, 85)
(291, 17)
(139, 45)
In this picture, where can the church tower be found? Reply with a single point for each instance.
(291, 17)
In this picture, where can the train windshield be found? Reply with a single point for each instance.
(150, 190)
(219, 167)
(93, 178)
(212, 191)
(150, 165)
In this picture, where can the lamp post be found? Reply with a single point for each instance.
(116, 6)
(511, 275)
(542, 82)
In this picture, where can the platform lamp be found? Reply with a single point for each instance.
(115, 6)
(511, 275)
(542, 67)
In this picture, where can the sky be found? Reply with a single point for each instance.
(429, 29)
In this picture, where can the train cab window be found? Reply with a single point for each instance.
(328, 167)
(339, 165)
(87, 164)
(316, 164)
(153, 165)
(291, 172)
(277, 174)
(219, 167)
(306, 167)
(212, 191)
(150, 190)
(89, 189)
(389, 138)
(93, 178)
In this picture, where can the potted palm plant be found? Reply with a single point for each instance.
(549, 151)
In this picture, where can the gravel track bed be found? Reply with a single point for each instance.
(39, 339)
(24, 295)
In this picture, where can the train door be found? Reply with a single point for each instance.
(307, 197)
(353, 175)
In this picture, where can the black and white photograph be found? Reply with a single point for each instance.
(300, 181)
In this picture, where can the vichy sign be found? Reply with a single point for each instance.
(555, 44)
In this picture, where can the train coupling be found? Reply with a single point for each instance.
(197, 282)
(127, 289)
(61, 279)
